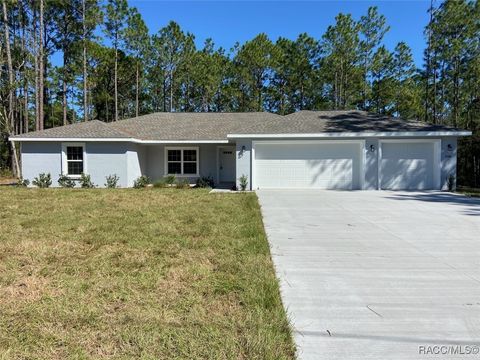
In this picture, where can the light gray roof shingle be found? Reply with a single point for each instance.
(216, 126)
(191, 126)
(92, 129)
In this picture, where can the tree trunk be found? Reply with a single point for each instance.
(10, 118)
(171, 91)
(64, 91)
(25, 104)
(41, 71)
(164, 94)
(365, 79)
(25, 79)
(427, 72)
(85, 99)
(9, 114)
(434, 99)
(136, 91)
(116, 79)
(456, 86)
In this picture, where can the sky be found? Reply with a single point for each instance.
(227, 21)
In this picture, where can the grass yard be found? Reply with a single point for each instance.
(472, 192)
(154, 274)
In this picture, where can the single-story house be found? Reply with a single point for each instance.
(307, 149)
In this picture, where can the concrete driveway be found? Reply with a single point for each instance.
(375, 274)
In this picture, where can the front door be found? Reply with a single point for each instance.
(226, 164)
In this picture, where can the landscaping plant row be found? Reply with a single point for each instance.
(44, 180)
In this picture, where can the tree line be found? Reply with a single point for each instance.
(113, 67)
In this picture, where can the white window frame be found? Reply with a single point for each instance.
(182, 148)
(65, 161)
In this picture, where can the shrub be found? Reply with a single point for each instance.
(6, 172)
(141, 182)
(205, 182)
(160, 183)
(112, 181)
(65, 182)
(182, 184)
(450, 182)
(22, 182)
(86, 182)
(169, 179)
(243, 180)
(42, 181)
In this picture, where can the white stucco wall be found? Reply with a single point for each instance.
(102, 159)
(244, 160)
(41, 157)
(155, 160)
(449, 161)
(129, 161)
(136, 158)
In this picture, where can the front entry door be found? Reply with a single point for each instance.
(226, 164)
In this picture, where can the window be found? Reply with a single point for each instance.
(182, 161)
(73, 159)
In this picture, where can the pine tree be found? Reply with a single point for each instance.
(116, 13)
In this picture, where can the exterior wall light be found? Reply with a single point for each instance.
(449, 147)
(372, 148)
(242, 151)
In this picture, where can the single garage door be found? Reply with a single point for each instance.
(408, 166)
(303, 164)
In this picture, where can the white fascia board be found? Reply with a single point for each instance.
(73, 139)
(182, 141)
(137, 141)
(352, 135)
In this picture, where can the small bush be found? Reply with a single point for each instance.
(86, 182)
(169, 179)
(6, 173)
(205, 182)
(65, 182)
(182, 184)
(141, 182)
(243, 180)
(451, 182)
(160, 183)
(22, 182)
(112, 181)
(42, 181)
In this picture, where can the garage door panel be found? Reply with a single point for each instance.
(406, 174)
(407, 166)
(321, 166)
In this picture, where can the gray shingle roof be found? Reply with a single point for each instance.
(91, 129)
(191, 126)
(356, 121)
(216, 126)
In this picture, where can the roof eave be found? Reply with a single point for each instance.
(132, 140)
(353, 134)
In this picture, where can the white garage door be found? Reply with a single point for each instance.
(408, 166)
(321, 165)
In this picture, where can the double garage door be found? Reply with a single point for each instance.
(343, 165)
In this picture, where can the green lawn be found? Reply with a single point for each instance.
(472, 192)
(154, 274)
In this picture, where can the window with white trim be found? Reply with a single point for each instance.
(182, 161)
(73, 159)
